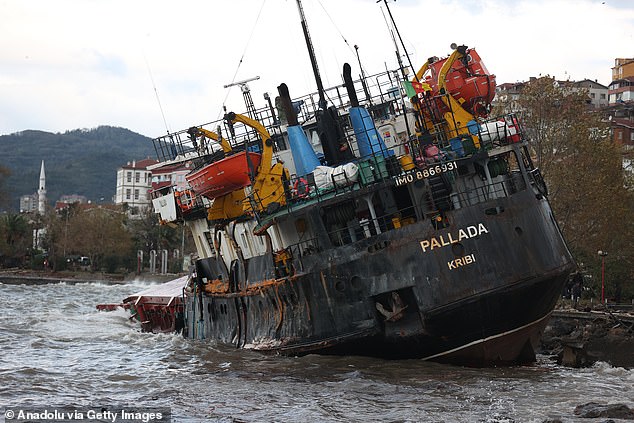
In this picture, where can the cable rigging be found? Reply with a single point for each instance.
(244, 52)
(147, 64)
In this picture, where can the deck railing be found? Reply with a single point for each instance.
(367, 227)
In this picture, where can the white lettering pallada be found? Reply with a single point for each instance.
(449, 238)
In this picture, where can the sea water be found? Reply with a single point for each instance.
(57, 350)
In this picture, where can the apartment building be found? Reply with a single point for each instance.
(134, 181)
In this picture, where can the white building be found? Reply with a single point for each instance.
(622, 90)
(598, 93)
(172, 175)
(134, 182)
(28, 203)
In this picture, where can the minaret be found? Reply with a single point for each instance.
(41, 192)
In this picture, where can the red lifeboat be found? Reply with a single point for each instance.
(468, 81)
(224, 176)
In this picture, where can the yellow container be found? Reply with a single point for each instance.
(408, 221)
(406, 162)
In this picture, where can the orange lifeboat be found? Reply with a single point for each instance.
(224, 176)
(468, 81)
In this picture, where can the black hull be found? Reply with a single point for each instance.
(494, 328)
(387, 296)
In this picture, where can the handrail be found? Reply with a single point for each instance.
(407, 215)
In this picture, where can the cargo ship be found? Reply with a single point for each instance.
(392, 216)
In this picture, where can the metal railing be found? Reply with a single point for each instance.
(383, 95)
(364, 227)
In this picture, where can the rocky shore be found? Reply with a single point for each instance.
(579, 338)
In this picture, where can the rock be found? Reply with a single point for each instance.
(612, 411)
(575, 355)
(580, 339)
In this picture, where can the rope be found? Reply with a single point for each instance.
(158, 100)
(353, 50)
(335, 25)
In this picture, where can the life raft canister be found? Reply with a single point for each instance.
(301, 189)
(185, 200)
(514, 129)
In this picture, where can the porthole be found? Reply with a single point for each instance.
(458, 249)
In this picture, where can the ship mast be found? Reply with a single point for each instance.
(246, 93)
(401, 66)
(313, 60)
(335, 146)
(400, 39)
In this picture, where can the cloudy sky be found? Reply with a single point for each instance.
(67, 64)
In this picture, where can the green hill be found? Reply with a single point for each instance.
(81, 161)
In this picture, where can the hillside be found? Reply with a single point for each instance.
(81, 161)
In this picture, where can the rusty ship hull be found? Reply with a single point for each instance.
(387, 297)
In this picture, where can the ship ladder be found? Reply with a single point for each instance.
(440, 190)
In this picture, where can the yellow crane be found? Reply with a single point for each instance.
(195, 132)
(268, 183)
(457, 118)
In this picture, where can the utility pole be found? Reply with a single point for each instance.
(602, 254)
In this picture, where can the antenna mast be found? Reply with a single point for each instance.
(246, 93)
(399, 37)
(313, 60)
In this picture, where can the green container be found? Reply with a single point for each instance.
(469, 146)
(498, 167)
(373, 170)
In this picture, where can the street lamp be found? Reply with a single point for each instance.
(602, 254)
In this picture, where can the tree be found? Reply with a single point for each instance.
(4, 196)
(108, 237)
(583, 169)
(101, 235)
(58, 241)
(149, 235)
(16, 239)
(98, 233)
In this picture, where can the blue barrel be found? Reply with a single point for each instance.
(457, 147)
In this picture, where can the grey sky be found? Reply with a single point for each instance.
(68, 64)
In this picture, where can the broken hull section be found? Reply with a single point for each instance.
(487, 330)
(158, 308)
